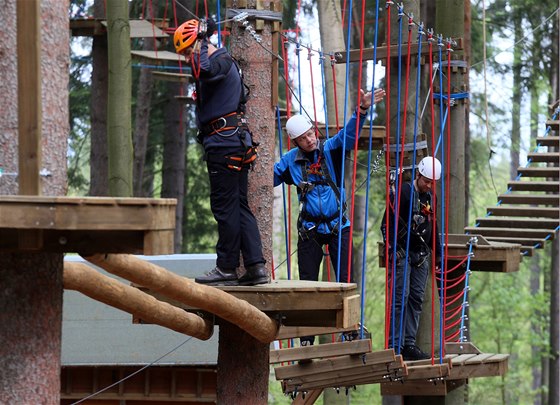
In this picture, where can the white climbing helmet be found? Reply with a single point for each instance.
(430, 168)
(297, 125)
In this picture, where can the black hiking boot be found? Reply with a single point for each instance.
(218, 277)
(255, 274)
(413, 352)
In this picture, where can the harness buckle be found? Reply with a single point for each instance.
(218, 121)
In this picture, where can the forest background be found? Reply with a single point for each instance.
(514, 53)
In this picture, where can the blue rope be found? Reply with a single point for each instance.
(462, 338)
(364, 246)
(346, 89)
(397, 184)
(218, 7)
(287, 233)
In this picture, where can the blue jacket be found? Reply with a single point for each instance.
(320, 206)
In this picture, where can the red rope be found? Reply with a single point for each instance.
(309, 55)
(358, 129)
(388, 289)
(335, 93)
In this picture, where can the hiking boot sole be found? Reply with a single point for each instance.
(262, 280)
(225, 283)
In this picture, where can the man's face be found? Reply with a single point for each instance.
(187, 53)
(424, 184)
(307, 141)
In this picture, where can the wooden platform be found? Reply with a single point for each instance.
(487, 255)
(87, 224)
(159, 56)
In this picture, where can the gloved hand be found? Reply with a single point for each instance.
(211, 27)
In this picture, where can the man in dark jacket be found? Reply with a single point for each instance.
(412, 251)
(229, 153)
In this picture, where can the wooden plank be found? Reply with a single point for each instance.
(548, 141)
(462, 358)
(424, 372)
(66, 214)
(350, 314)
(424, 388)
(544, 186)
(367, 53)
(320, 351)
(511, 232)
(479, 370)
(524, 241)
(337, 363)
(159, 56)
(287, 332)
(479, 358)
(461, 348)
(29, 96)
(159, 242)
(172, 77)
(553, 124)
(142, 29)
(549, 157)
(549, 172)
(544, 199)
(531, 212)
(504, 222)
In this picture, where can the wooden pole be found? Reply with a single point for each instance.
(81, 277)
(181, 289)
(29, 96)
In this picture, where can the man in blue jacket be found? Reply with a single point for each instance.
(315, 167)
(229, 153)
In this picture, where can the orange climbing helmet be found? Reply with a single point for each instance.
(185, 35)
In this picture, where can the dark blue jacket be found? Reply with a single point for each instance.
(321, 200)
(218, 94)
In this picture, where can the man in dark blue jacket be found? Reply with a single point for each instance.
(315, 167)
(229, 153)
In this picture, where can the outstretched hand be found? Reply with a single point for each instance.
(365, 98)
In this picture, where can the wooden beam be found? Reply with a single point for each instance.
(29, 96)
(336, 364)
(532, 199)
(548, 140)
(420, 388)
(367, 53)
(511, 232)
(504, 222)
(549, 172)
(308, 398)
(549, 157)
(81, 277)
(531, 212)
(320, 351)
(544, 186)
(210, 299)
(287, 332)
(172, 77)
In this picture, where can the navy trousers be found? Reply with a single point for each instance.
(237, 226)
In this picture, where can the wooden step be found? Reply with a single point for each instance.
(553, 157)
(550, 172)
(360, 346)
(530, 212)
(531, 242)
(534, 223)
(532, 199)
(511, 232)
(544, 186)
(553, 124)
(172, 77)
(548, 141)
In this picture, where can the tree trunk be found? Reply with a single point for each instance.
(118, 104)
(516, 97)
(99, 159)
(174, 147)
(142, 121)
(31, 283)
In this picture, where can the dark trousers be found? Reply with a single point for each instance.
(237, 226)
(408, 293)
(310, 255)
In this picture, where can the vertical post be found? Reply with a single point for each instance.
(29, 96)
(236, 349)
